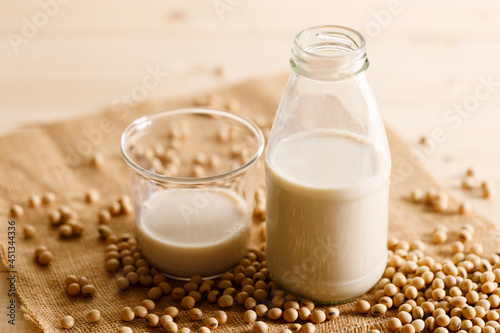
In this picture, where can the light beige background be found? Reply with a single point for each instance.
(427, 57)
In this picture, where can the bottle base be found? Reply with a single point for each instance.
(368, 282)
(178, 278)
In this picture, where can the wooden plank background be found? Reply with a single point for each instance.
(62, 58)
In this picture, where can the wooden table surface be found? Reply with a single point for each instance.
(434, 65)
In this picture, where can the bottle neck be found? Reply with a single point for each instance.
(329, 53)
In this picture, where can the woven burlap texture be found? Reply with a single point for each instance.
(55, 158)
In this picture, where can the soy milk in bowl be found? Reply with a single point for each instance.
(193, 196)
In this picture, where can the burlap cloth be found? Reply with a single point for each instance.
(55, 158)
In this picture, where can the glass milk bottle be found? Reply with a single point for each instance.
(327, 172)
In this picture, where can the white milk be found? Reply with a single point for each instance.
(203, 231)
(327, 203)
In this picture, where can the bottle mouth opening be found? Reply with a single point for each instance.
(329, 52)
(330, 41)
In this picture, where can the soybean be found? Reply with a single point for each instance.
(45, 258)
(332, 313)
(221, 317)
(394, 324)
(225, 301)
(291, 314)
(211, 323)
(165, 318)
(140, 311)
(88, 290)
(16, 211)
(74, 289)
(67, 322)
(249, 316)
(317, 316)
(260, 327)
(261, 310)
(170, 327)
(363, 306)
(93, 316)
(152, 320)
(276, 313)
(377, 310)
(127, 314)
(29, 231)
(308, 328)
(124, 329)
(195, 314)
(172, 311)
(148, 304)
(304, 313)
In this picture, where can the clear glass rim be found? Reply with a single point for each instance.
(360, 45)
(192, 111)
